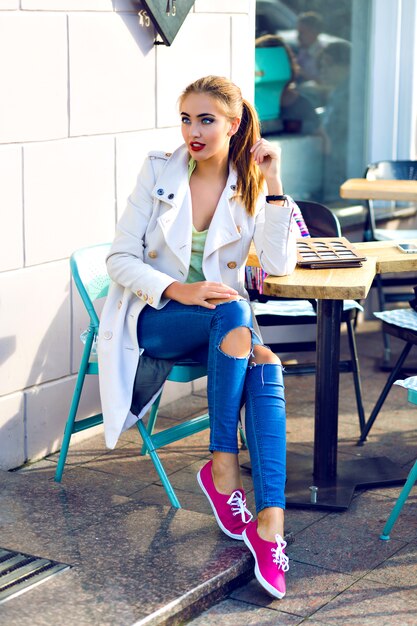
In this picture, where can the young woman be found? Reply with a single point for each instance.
(178, 264)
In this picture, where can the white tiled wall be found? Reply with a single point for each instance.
(9, 4)
(33, 76)
(35, 325)
(69, 196)
(12, 430)
(11, 216)
(84, 96)
(112, 74)
(222, 6)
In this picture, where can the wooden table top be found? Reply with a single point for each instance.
(388, 256)
(364, 189)
(328, 284)
(342, 283)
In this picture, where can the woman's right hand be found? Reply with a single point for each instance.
(200, 293)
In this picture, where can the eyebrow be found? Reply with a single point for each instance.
(199, 115)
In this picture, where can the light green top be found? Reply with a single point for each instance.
(195, 273)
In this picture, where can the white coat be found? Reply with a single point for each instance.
(152, 249)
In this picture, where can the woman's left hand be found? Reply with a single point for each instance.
(268, 159)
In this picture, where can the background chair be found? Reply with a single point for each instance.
(321, 222)
(272, 73)
(88, 267)
(393, 324)
(390, 170)
(411, 479)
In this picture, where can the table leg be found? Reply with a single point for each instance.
(329, 315)
(325, 482)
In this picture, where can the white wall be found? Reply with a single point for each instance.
(85, 95)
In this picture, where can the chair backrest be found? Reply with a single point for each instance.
(272, 73)
(320, 220)
(390, 170)
(89, 271)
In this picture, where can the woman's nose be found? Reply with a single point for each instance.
(195, 131)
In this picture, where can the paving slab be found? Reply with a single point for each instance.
(308, 589)
(233, 613)
(369, 603)
(130, 562)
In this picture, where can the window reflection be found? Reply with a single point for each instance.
(306, 45)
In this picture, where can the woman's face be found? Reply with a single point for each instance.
(205, 128)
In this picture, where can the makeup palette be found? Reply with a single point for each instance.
(327, 252)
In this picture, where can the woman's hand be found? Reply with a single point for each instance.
(200, 293)
(268, 159)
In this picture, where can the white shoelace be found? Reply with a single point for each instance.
(238, 505)
(278, 555)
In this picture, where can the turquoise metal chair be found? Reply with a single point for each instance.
(272, 73)
(88, 267)
(411, 479)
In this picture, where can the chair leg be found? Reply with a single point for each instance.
(385, 336)
(243, 442)
(391, 379)
(151, 422)
(69, 426)
(158, 465)
(411, 479)
(356, 373)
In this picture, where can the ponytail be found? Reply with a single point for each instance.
(249, 177)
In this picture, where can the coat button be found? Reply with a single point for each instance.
(119, 304)
(170, 197)
(233, 187)
(139, 293)
(160, 192)
(145, 296)
(168, 154)
(152, 254)
(108, 334)
(232, 265)
(150, 300)
(239, 229)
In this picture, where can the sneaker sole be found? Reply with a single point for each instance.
(218, 520)
(261, 580)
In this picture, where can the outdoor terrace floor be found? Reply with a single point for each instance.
(137, 561)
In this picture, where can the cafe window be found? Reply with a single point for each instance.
(311, 77)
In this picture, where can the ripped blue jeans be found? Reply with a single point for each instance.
(178, 331)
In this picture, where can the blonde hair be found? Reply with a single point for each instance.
(249, 177)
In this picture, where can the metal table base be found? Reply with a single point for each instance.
(336, 494)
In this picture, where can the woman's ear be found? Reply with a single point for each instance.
(234, 126)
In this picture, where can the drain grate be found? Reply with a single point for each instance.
(20, 572)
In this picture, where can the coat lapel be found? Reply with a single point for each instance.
(223, 229)
(172, 189)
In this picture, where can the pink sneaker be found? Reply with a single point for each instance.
(271, 562)
(230, 511)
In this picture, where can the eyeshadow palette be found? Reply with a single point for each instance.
(327, 252)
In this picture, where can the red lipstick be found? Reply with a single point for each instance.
(197, 146)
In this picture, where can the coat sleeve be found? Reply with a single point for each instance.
(125, 263)
(275, 237)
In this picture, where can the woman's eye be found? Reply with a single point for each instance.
(185, 120)
(207, 120)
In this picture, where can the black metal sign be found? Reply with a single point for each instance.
(167, 16)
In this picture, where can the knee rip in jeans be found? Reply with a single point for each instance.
(221, 348)
(268, 357)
